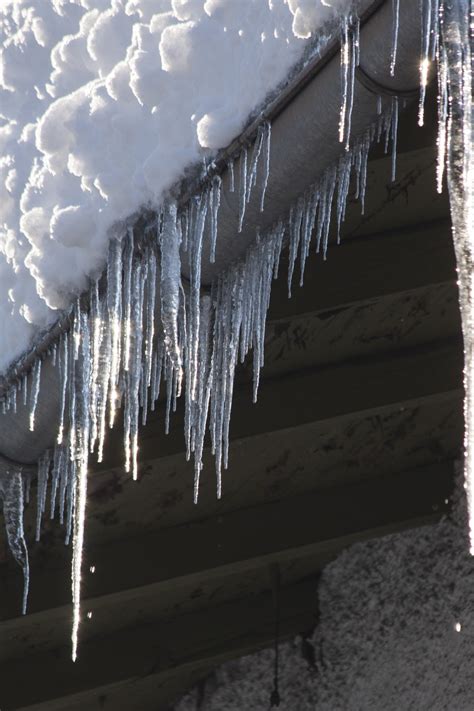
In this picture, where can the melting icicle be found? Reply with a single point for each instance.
(395, 25)
(138, 285)
(456, 55)
(82, 424)
(11, 493)
(63, 375)
(215, 203)
(97, 333)
(350, 32)
(150, 317)
(43, 474)
(295, 222)
(252, 174)
(230, 166)
(114, 306)
(267, 138)
(394, 135)
(429, 21)
(24, 389)
(194, 302)
(170, 283)
(35, 388)
(204, 392)
(56, 474)
(443, 110)
(127, 298)
(243, 187)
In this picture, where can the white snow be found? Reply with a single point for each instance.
(103, 105)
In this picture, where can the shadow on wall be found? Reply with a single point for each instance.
(396, 632)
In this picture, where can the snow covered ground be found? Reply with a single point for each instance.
(396, 632)
(103, 105)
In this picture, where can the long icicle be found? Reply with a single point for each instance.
(81, 457)
(456, 54)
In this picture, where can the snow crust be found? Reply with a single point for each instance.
(396, 632)
(103, 105)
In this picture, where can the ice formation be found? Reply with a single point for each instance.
(142, 326)
(77, 79)
(456, 150)
(12, 495)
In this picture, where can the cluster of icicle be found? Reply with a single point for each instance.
(455, 53)
(143, 328)
(127, 343)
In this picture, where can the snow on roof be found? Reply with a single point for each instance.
(103, 105)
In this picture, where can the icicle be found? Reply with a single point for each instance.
(456, 54)
(76, 328)
(97, 333)
(11, 493)
(14, 398)
(185, 219)
(131, 446)
(63, 476)
(81, 461)
(70, 494)
(169, 393)
(443, 110)
(35, 388)
(394, 135)
(252, 173)
(194, 302)
(56, 473)
(215, 203)
(24, 389)
(43, 474)
(170, 281)
(230, 166)
(114, 306)
(63, 375)
(308, 227)
(127, 298)
(395, 26)
(429, 18)
(72, 395)
(345, 49)
(343, 181)
(267, 137)
(349, 60)
(243, 187)
(104, 384)
(150, 317)
(204, 392)
(296, 218)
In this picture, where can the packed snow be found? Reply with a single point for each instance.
(103, 106)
